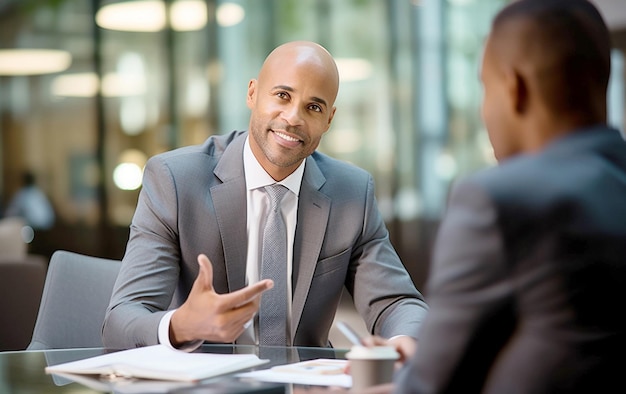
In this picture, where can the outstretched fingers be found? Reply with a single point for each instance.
(248, 294)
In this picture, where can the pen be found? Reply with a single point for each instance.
(349, 333)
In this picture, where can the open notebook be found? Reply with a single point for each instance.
(159, 362)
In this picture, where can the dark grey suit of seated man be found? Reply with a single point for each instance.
(190, 272)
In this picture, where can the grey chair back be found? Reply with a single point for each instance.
(75, 297)
(21, 284)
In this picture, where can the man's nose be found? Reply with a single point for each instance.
(293, 115)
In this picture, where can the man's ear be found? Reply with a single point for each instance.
(517, 88)
(251, 93)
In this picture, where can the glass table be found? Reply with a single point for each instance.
(23, 371)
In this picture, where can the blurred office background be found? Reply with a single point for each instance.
(89, 89)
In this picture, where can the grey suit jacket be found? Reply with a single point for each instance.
(528, 276)
(193, 201)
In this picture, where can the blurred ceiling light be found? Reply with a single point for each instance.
(127, 176)
(150, 15)
(147, 16)
(86, 85)
(33, 61)
(133, 115)
(116, 85)
(75, 85)
(229, 14)
(189, 15)
(353, 69)
(128, 173)
(196, 95)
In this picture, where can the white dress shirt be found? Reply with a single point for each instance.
(257, 209)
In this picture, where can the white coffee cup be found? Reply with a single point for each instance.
(371, 366)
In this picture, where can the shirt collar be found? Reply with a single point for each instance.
(257, 177)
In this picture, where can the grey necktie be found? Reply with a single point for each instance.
(273, 310)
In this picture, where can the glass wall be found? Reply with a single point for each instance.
(155, 75)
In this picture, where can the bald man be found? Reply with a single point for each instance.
(191, 272)
(529, 267)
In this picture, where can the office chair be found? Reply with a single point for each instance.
(75, 297)
(21, 284)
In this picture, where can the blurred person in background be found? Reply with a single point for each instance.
(31, 204)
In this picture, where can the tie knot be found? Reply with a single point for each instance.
(275, 192)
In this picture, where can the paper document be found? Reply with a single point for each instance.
(161, 363)
(317, 372)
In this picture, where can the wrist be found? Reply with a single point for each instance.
(178, 331)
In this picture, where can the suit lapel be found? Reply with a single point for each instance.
(229, 200)
(313, 210)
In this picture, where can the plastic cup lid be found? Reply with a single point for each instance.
(373, 353)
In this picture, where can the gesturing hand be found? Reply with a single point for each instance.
(214, 317)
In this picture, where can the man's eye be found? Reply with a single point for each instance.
(315, 107)
(282, 95)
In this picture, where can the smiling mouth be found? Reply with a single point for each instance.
(285, 136)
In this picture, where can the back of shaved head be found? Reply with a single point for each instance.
(563, 46)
